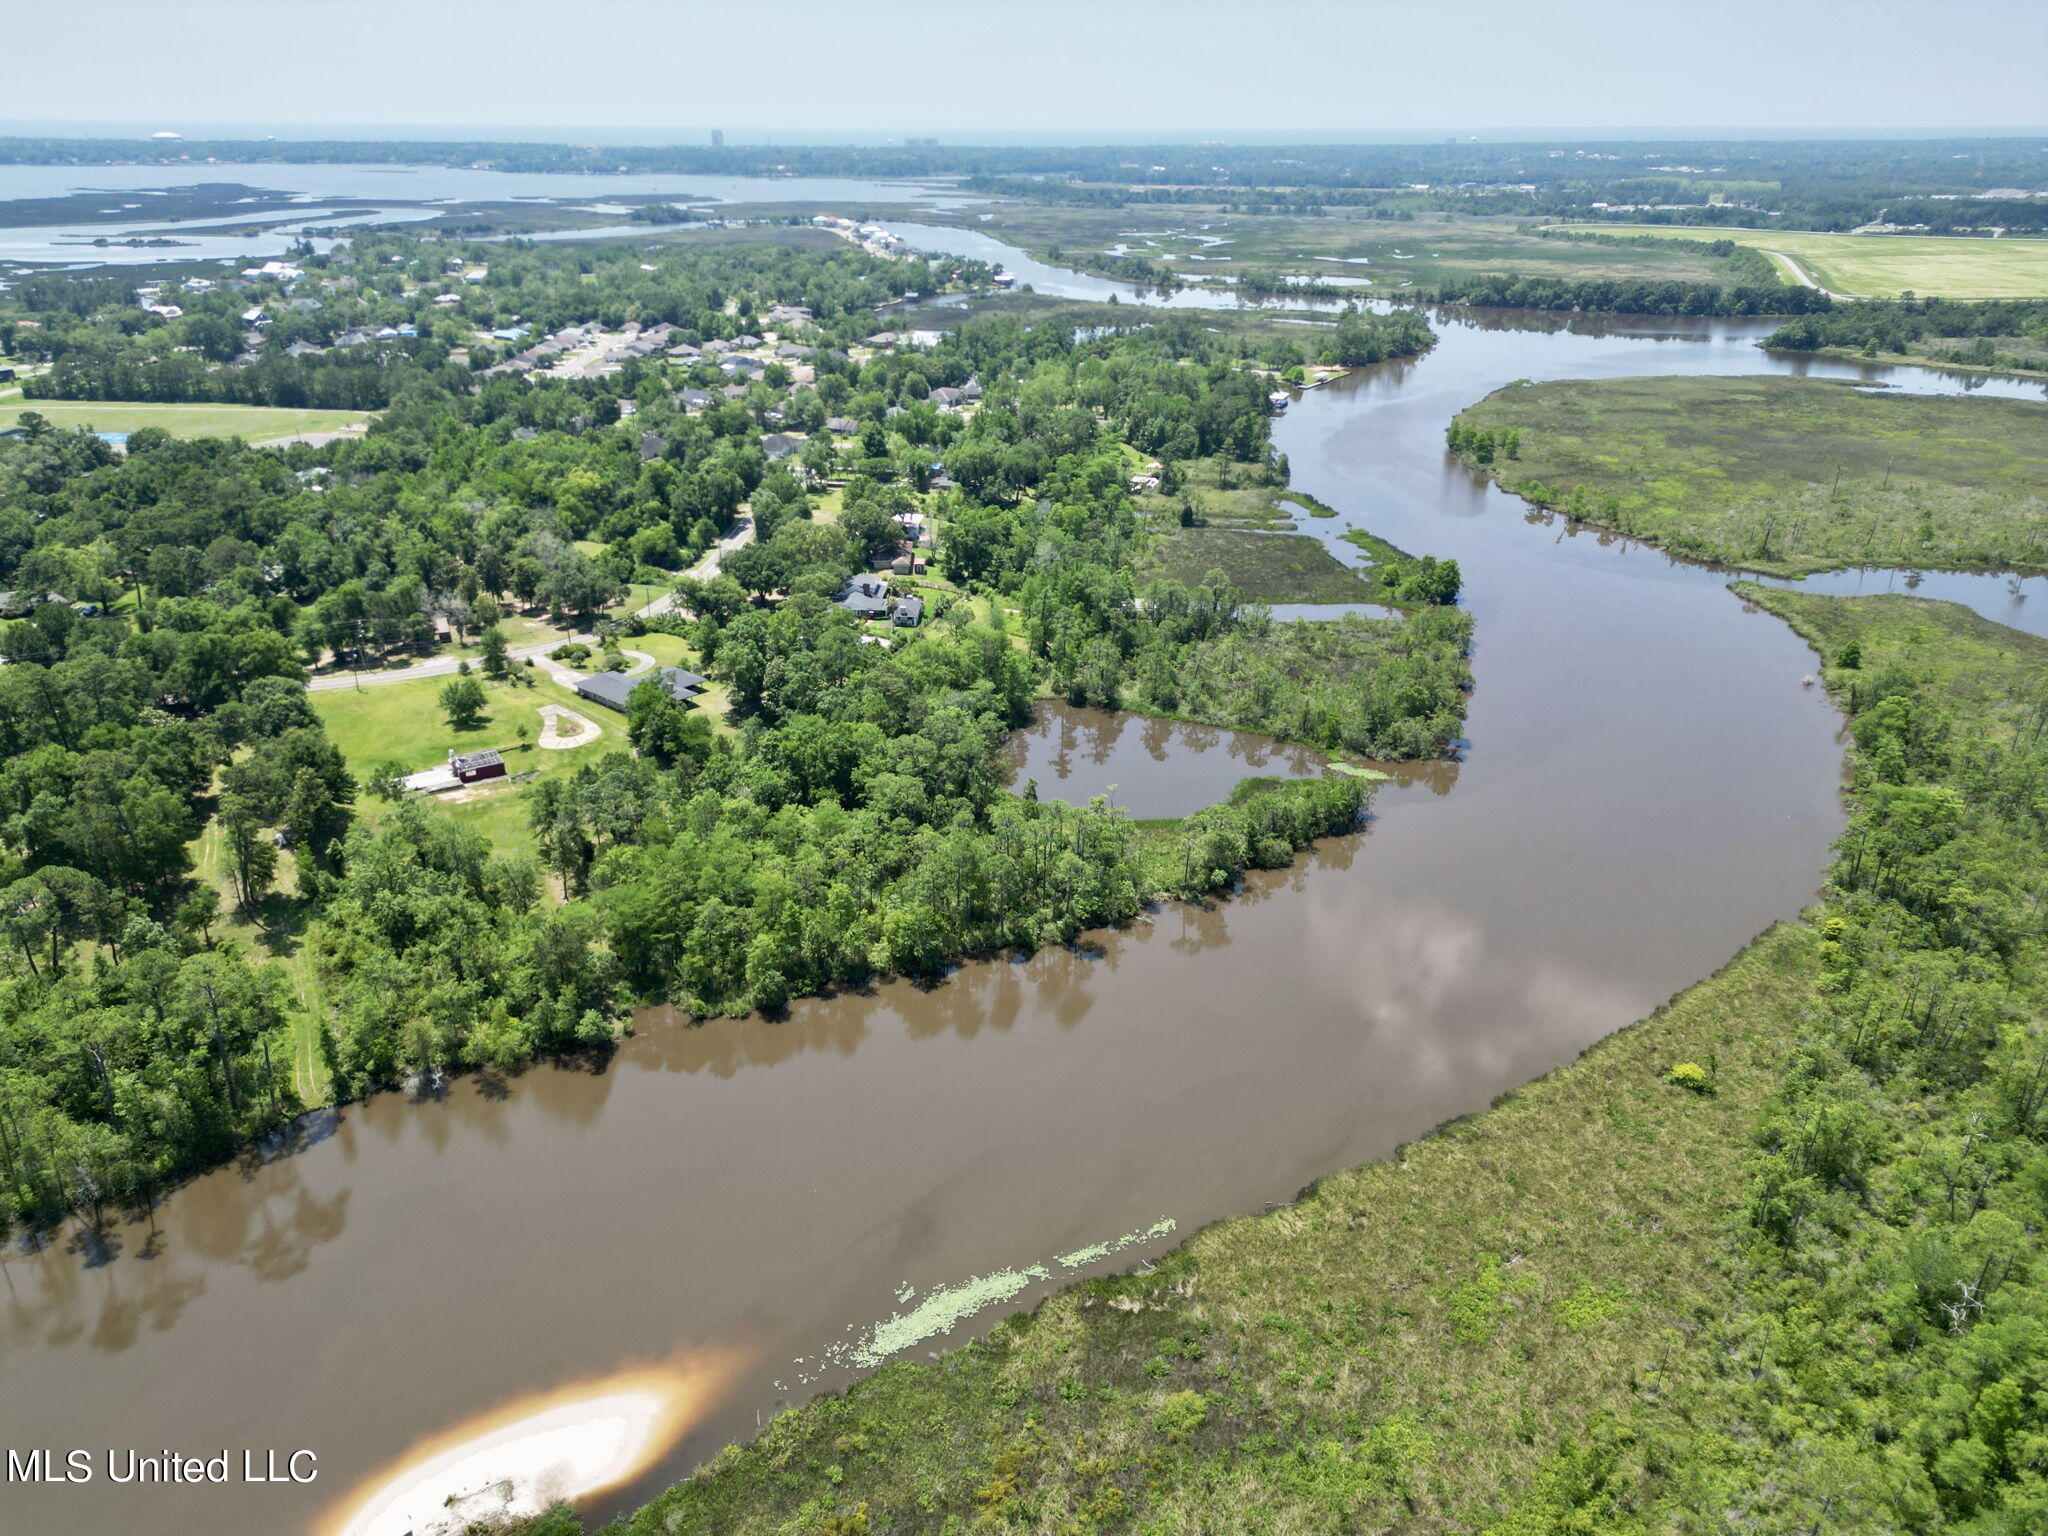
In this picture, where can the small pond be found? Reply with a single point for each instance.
(1148, 767)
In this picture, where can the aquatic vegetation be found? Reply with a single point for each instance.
(949, 1306)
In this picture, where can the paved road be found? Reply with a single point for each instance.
(436, 666)
(705, 568)
(1802, 277)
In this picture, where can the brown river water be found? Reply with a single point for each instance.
(1647, 785)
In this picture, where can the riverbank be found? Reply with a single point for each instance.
(1522, 1319)
(1930, 359)
(1782, 476)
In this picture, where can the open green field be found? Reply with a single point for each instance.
(1784, 475)
(1883, 266)
(402, 723)
(256, 423)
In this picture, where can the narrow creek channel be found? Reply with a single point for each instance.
(1648, 784)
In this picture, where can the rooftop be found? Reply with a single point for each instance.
(615, 689)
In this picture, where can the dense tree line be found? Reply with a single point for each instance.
(1896, 325)
(131, 1050)
(1625, 295)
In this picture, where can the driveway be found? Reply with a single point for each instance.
(561, 729)
(705, 568)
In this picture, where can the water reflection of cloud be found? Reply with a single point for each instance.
(1448, 1009)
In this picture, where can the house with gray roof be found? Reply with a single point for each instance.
(866, 597)
(614, 690)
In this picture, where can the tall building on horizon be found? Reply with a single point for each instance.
(718, 138)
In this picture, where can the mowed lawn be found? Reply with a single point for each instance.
(1884, 266)
(403, 724)
(256, 423)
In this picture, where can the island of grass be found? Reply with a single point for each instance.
(1779, 475)
(1706, 1275)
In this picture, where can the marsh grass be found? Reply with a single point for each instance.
(1785, 476)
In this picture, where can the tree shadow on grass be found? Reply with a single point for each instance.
(276, 919)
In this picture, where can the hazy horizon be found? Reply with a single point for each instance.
(1133, 69)
(968, 137)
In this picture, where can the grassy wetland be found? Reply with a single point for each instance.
(1779, 475)
(1348, 248)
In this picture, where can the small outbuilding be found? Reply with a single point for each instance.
(474, 767)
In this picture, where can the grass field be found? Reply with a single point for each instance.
(1784, 475)
(402, 723)
(1884, 266)
(253, 422)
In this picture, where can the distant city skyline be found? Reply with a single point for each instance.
(1050, 70)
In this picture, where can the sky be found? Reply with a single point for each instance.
(1000, 69)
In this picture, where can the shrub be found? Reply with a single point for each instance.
(1691, 1076)
(1181, 1414)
